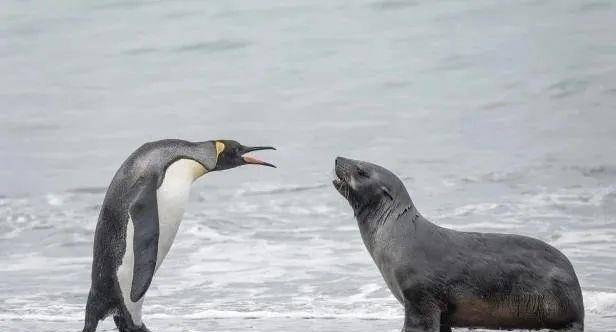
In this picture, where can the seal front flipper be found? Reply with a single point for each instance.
(421, 312)
(143, 212)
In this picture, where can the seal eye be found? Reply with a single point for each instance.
(362, 172)
(387, 193)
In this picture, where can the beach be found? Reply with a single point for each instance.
(498, 117)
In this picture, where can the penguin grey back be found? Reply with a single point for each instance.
(152, 159)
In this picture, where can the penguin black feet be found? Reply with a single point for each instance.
(90, 326)
(445, 328)
(91, 323)
(123, 326)
(95, 311)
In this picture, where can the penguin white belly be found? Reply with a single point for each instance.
(171, 198)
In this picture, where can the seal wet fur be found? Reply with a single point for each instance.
(445, 278)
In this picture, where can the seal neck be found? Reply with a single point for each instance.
(371, 218)
(377, 214)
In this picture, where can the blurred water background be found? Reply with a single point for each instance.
(499, 116)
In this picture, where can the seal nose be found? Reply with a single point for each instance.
(342, 167)
(341, 161)
(344, 163)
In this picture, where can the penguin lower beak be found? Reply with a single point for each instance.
(252, 160)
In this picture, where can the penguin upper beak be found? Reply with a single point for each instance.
(252, 160)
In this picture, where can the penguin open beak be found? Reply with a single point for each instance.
(252, 160)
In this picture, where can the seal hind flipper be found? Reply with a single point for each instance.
(143, 212)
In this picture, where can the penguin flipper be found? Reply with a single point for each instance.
(144, 214)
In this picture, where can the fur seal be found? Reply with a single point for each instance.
(446, 278)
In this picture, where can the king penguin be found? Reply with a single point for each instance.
(139, 218)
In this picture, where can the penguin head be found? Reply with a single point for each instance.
(233, 154)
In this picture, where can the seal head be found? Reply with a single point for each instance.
(370, 188)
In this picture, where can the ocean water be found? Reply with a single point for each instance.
(499, 116)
